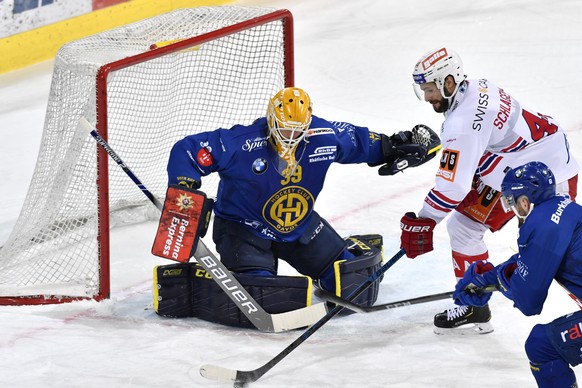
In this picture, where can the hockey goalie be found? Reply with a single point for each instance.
(271, 173)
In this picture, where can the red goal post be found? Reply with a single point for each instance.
(144, 86)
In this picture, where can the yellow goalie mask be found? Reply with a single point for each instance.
(288, 118)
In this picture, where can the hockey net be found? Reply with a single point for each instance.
(145, 86)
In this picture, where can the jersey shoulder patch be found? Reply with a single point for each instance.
(320, 131)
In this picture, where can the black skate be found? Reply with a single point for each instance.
(462, 320)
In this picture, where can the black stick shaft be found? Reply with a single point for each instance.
(89, 128)
(254, 375)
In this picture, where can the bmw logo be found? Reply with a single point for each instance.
(260, 166)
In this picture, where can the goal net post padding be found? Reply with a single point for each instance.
(144, 86)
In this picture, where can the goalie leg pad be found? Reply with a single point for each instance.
(356, 264)
(172, 294)
(199, 296)
(369, 241)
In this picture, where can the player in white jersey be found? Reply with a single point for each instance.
(485, 133)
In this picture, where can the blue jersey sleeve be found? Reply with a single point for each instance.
(545, 245)
(531, 279)
(357, 144)
(198, 155)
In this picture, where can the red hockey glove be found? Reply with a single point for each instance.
(470, 199)
(416, 237)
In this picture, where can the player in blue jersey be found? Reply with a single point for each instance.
(271, 173)
(550, 247)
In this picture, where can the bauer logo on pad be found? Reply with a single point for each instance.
(183, 221)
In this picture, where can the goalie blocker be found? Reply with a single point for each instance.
(187, 290)
(184, 220)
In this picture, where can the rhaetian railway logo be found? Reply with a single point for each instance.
(286, 208)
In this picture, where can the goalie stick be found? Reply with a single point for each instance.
(331, 297)
(243, 378)
(262, 320)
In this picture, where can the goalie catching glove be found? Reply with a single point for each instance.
(409, 149)
(184, 220)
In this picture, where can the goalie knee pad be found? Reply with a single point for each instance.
(369, 240)
(187, 290)
(357, 263)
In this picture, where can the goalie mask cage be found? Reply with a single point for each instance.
(146, 85)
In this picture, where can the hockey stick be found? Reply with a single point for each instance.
(242, 378)
(326, 295)
(262, 320)
(89, 128)
(331, 297)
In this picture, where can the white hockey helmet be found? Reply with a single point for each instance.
(435, 66)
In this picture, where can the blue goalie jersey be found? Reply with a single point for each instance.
(251, 190)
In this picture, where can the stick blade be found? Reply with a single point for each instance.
(84, 124)
(217, 373)
(299, 318)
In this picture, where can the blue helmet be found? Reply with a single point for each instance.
(534, 180)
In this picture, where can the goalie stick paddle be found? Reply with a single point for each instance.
(331, 297)
(262, 320)
(243, 378)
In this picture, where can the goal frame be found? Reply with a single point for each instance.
(102, 161)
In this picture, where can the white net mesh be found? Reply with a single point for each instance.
(53, 249)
